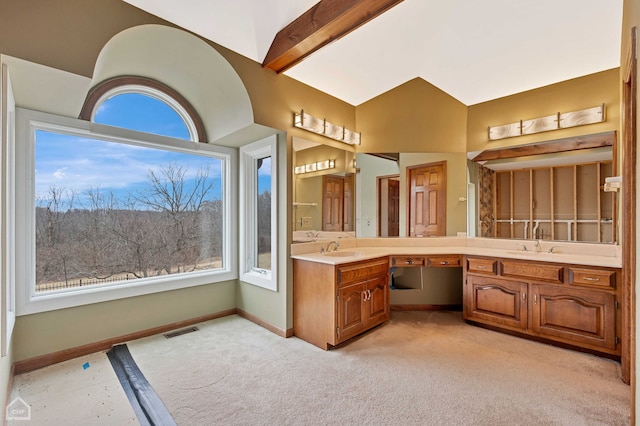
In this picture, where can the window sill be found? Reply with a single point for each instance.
(71, 298)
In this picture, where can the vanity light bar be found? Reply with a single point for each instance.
(322, 127)
(314, 167)
(550, 122)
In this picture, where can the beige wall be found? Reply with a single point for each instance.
(414, 117)
(567, 96)
(52, 331)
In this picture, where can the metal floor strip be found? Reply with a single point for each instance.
(146, 404)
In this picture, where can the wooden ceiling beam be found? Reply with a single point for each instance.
(323, 23)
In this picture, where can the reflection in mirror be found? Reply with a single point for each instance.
(554, 196)
(324, 190)
(385, 196)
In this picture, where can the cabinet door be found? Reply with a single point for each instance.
(351, 318)
(498, 301)
(377, 301)
(574, 315)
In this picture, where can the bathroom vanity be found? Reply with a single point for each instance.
(570, 299)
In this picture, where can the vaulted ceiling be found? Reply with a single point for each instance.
(474, 50)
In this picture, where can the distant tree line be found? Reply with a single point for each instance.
(174, 225)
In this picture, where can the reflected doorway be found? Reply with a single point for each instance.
(389, 206)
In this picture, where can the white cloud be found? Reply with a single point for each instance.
(60, 173)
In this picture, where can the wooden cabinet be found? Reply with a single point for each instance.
(434, 261)
(332, 304)
(498, 301)
(573, 315)
(570, 304)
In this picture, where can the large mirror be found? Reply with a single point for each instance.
(324, 194)
(559, 190)
(411, 194)
(557, 195)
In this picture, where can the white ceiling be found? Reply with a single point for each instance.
(474, 50)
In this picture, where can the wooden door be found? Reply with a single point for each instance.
(498, 301)
(351, 318)
(573, 316)
(427, 200)
(377, 300)
(393, 208)
(332, 203)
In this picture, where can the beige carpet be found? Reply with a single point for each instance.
(421, 368)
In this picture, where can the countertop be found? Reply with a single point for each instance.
(352, 250)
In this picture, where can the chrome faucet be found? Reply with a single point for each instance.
(524, 246)
(337, 244)
(551, 249)
(537, 246)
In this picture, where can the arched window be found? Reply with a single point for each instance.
(145, 105)
(113, 212)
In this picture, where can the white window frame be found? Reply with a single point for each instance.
(7, 214)
(249, 270)
(152, 93)
(27, 300)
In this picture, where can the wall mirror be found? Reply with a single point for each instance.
(548, 191)
(391, 188)
(324, 195)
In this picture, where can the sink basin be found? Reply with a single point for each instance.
(343, 253)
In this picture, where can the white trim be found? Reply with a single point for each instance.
(28, 301)
(249, 154)
(7, 213)
(152, 93)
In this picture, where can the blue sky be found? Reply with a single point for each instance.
(79, 163)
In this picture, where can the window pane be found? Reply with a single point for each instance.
(144, 113)
(264, 213)
(110, 212)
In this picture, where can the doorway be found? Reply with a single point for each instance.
(427, 192)
(388, 206)
(338, 212)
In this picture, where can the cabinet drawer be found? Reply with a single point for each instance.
(444, 261)
(407, 261)
(534, 271)
(359, 271)
(482, 266)
(598, 278)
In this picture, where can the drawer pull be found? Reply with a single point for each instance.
(592, 279)
(481, 267)
(409, 262)
(444, 262)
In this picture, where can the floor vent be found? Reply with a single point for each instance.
(180, 332)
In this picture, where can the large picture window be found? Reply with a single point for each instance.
(107, 212)
(106, 216)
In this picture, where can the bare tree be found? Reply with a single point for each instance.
(174, 225)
